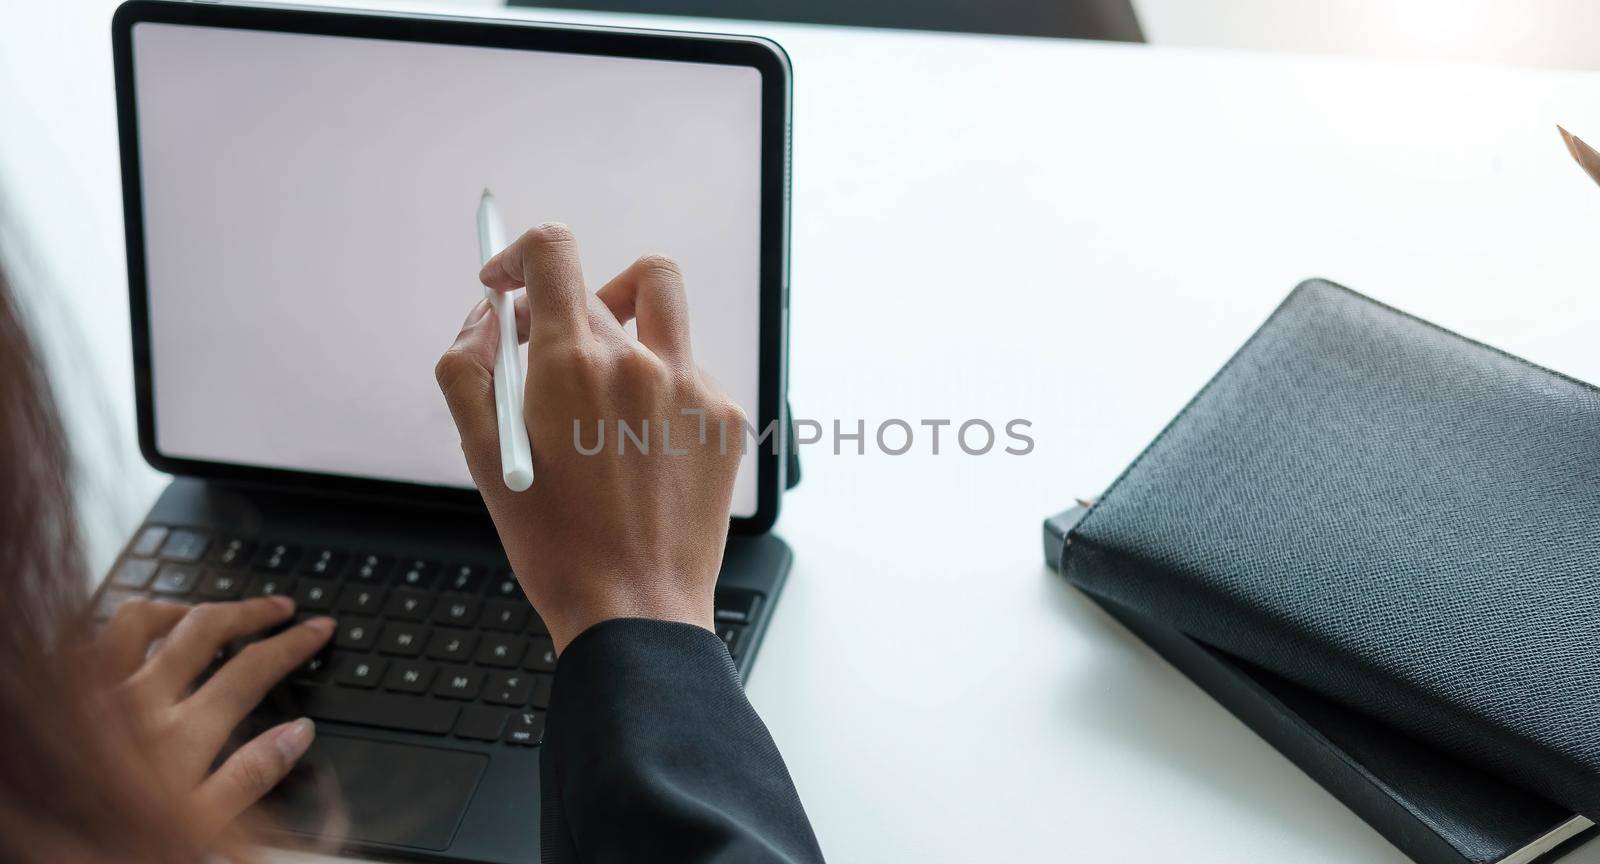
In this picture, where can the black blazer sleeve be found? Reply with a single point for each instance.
(652, 753)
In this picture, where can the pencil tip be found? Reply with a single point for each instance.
(1566, 141)
(486, 193)
(1582, 153)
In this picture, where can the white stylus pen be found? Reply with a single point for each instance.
(516, 457)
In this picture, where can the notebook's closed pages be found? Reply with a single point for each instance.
(1391, 516)
(1433, 807)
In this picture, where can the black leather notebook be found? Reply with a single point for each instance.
(1391, 516)
(1433, 807)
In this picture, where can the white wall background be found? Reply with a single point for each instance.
(1561, 33)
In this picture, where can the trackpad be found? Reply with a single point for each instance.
(351, 790)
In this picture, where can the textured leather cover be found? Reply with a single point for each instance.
(1390, 515)
(1433, 807)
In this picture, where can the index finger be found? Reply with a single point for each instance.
(196, 639)
(244, 680)
(127, 637)
(545, 261)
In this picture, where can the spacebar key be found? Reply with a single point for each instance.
(406, 713)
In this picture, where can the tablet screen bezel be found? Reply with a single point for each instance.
(764, 56)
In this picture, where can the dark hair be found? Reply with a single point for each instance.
(72, 785)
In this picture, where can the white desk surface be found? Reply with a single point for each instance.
(1072, 233)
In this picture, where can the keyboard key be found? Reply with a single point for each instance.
(176, 579)
(133, 573)
(456, 682)
(371, 568)
(527, 728)
(233, 552)
(221, 585)
(407, 604)
(481, 724)
(108, 602)
(409, 676)
(362, 599)
(455, 645)
(323, 563)
(541, 655)
(508, 615)
(402, 639)
(317, 670)
(505, 585)
(149, 541)
(313, 595)
(185, 547)
(501, 650)
(536, 624)
(732, 636)
(464, 578)
(384, 710)
(455, 610)
(362, 671)
(417, 573)
(736, 605)
(356, 634)
(276, 558)
(270, 586)
(509, 688)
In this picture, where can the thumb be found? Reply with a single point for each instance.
(250, 773)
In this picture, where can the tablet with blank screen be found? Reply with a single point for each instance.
(305, 218)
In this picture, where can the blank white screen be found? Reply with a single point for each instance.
(311, 247)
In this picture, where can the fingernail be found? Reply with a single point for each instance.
(295, 739)
(285, 604)
(322, 624)
(477, 312)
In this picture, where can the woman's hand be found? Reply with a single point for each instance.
(184, 727)
(618, 533)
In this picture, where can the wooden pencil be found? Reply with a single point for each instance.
(1585, 155)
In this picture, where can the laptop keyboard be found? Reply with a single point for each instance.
(431, 647)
